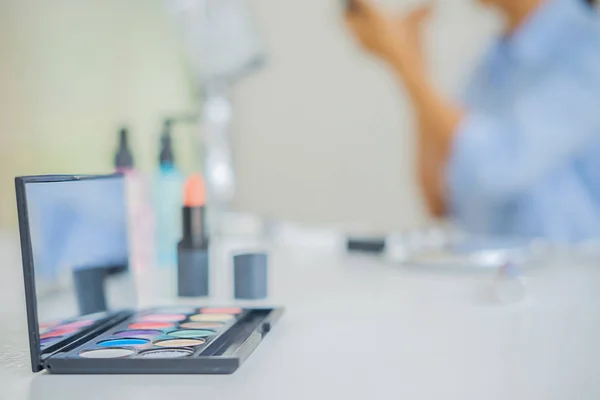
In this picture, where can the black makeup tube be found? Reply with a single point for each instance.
(89, 289)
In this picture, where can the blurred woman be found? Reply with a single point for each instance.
(519, 155)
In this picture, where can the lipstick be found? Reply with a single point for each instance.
(192, 250)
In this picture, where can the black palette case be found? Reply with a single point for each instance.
(97, 335)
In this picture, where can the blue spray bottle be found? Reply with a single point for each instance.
(168, 197)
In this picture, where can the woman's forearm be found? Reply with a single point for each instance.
(438, 120)
(398, 42)
(431, 189)
(429, 172)
(442, 117)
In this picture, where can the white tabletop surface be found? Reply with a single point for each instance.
(360, 328)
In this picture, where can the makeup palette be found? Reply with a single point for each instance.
(74, 240)
(178, 340)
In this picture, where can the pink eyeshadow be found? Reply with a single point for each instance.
(227, 310)
(150, 325)
(164, 317)
(47, 325)
(57, 333)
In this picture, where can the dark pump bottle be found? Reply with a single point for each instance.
(123, 158)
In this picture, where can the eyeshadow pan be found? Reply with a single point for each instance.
(137, 332)
(163, 317)
(65, 330)
(179, 342)
(57, 333)
(150, 325)
(192, 333)
(202, 325)
(166, 353)
(225, 310)
(212, 317)
(175, 310)
(123, 342)
(106, 353)
(47, 325)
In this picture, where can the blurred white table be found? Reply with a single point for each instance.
(360, 328)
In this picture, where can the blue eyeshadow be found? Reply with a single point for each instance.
(123, 342)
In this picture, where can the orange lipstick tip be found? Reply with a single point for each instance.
(195, 192)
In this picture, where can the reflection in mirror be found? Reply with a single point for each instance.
(80, 253)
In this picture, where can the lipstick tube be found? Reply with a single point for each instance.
(192, 250)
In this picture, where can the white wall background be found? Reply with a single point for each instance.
(324, 134)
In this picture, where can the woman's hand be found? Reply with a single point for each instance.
(396, 40)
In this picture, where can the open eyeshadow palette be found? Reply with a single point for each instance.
(80, 295)
(210, 340)
(165, 333)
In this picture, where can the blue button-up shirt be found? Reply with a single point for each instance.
(526, 158)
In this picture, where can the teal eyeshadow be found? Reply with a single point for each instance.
(191, 333)
(123, 342)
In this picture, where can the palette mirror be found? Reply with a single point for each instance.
(79, 246)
